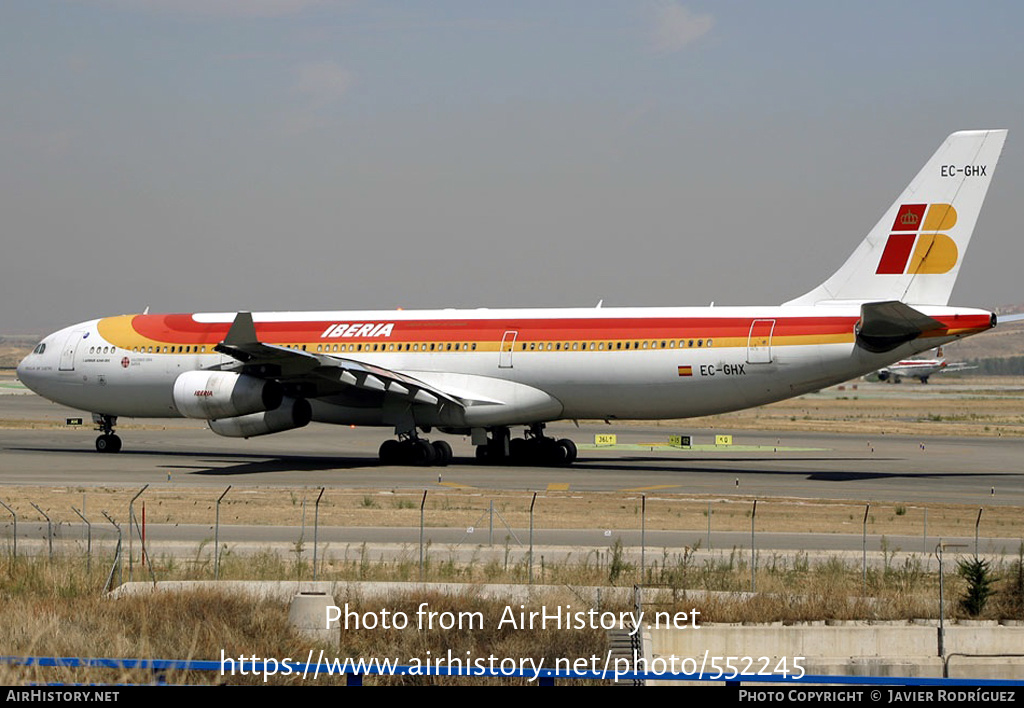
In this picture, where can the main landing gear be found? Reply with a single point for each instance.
(533, 449)
(107, 442)
(410, 449)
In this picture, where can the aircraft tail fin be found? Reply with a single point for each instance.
(913, 254)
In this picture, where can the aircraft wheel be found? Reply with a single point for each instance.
(519, 451)
(481, 453)
(570, 450)
(422, 453)
(108, 443)
(443, 452)
(553, 453)
(390, 452)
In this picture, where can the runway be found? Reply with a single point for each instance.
(882, 467)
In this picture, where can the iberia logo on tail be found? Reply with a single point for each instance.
(915, 246)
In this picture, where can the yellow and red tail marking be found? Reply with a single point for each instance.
(915, 246)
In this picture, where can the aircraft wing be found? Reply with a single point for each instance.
(314, 375)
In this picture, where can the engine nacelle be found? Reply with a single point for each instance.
(292, 413)
(224, 394)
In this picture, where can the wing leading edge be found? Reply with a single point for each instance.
(316, 375)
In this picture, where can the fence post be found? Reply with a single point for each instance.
(88, 543)
(316, 528)
(15, 537)
(216, 536)
(49, 529)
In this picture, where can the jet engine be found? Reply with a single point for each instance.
(224, 394)
(292, 413)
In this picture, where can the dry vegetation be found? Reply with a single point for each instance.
(452, 507)
(55, 608)
(14, 348)
(981, 407)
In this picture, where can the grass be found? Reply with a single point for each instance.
(56, 608)
(462, 508)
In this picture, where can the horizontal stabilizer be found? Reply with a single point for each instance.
(883, 326)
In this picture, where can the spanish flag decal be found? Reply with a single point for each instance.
(686, 371)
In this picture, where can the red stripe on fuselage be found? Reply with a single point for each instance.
(183, 329)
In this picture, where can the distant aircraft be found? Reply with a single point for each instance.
(483, 372)
(920, 369)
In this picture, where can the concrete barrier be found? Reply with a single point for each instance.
(858, 648)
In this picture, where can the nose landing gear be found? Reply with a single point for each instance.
(108, 441)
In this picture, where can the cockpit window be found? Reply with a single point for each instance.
(40, 348)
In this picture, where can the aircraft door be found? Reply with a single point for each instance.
(759, 342)
(508, 343)
(67, 354)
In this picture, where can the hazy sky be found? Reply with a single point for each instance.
(297, 154)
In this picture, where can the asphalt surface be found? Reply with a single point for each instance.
(787, 464)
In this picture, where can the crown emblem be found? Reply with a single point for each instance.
(909, 219)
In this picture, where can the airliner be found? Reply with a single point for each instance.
(485, 372)
(921, 369)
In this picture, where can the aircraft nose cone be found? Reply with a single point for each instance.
(22, 372)
(27, 373)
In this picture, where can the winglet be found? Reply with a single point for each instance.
(242, 331)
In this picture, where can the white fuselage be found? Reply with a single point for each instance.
(515, 366)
